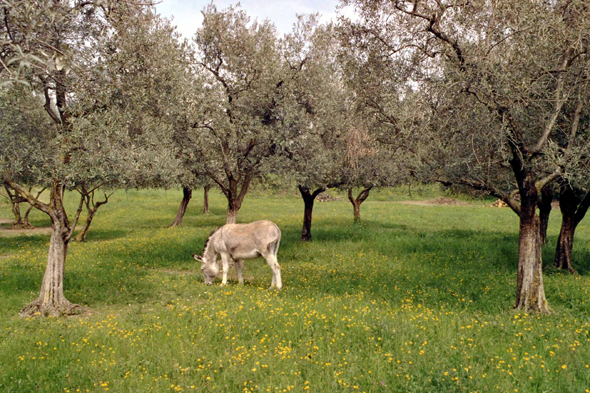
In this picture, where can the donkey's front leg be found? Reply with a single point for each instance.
(225, 263)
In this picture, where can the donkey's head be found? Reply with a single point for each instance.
(209, 269)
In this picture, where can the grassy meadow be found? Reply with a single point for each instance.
(414, 299)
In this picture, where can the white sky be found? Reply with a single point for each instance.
(187, 13)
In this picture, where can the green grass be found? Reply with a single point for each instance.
(415, 299)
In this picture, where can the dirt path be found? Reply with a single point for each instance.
(7, 230)
(437, 202)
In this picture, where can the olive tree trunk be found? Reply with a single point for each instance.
(187, 194)
(356, 202)
(545, 211)
(573, 210)
(308, 201)
(19, 222)
(26, 223)
(91, 209)
(235, 194)
(51, 300)
(206, 199)
(530, 292)
(232, 215)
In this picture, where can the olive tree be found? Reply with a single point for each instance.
(237, 134)
(368, 163)
(93, 130)
(500, 78)
(574, 202)
(313, 112)
(22, 121)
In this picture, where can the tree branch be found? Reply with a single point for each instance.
(47, 105)
(73, 227)
(559, 102)
(44, 207)
(509, 199)
(546, 180)
(582, 209)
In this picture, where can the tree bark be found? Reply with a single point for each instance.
(51, 300)
(356, 202)
(530, 292)
(235, 196)
(91, 209)
(545, 211)
(565, 244)
(81, 236)
(233, 206)
(15, 201)
(18, 221)
(206, 200)
(232, 216)
(308, 200)
(187, 194)
(26, 223)
(573, 210)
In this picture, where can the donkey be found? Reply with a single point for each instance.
(238, 242)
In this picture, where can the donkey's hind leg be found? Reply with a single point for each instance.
(239, 264)
(276, 271)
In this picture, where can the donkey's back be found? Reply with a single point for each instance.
(247, 241)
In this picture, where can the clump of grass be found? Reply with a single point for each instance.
(415, 299)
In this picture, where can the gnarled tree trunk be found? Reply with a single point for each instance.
(232, 215)
(81, 236)
(18, 220)
(530, 292)
(187, 194)
(51, 300)
(15, 200)
(545, 211)
(356, 202)
(308, 200)
(26, 223)
(235, 196)
(573, 210)
(91, 209)
(206, 199)
(565, 244)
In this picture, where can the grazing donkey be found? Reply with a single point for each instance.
(238, 242)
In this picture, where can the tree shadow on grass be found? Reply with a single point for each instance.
(581, 260)
(102, 235)
(433, 267)
(197, 220)
(13, 244)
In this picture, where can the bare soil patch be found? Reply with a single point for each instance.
(327, 198)
(7, 230)
(34, 231)
(437, 202)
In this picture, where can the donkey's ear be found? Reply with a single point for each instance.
(198, 257)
